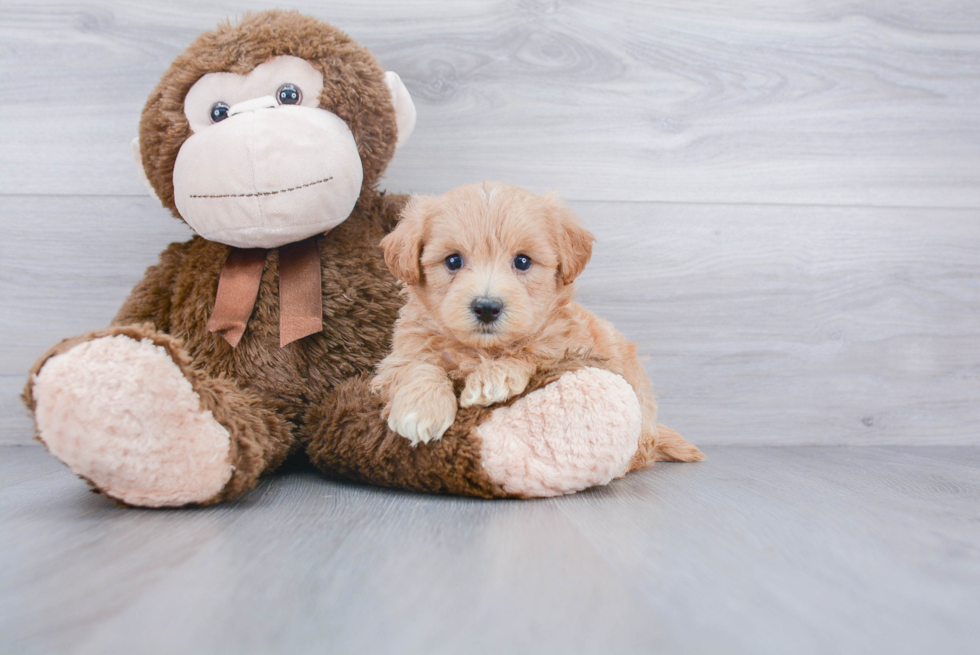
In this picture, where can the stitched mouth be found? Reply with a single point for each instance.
(264, 193)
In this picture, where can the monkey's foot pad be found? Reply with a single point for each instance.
(577, 432)
(122, 415)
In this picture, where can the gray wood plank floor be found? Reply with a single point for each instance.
(756, 550)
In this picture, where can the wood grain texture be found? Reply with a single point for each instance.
(807, 325)
(864, 102)
(762, 324)
(756, 550)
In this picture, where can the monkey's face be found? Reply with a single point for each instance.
(267, 132)
(265, 166)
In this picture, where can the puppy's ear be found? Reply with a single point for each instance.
(574, 242)
(403, 246)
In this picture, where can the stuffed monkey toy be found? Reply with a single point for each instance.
(256, 338)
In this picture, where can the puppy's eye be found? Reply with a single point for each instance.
(522, 262)
(219, 112)
(454, 262)
(289, 94)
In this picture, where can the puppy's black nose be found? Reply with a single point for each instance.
(487, 310)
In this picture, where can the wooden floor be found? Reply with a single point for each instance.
(756, 550)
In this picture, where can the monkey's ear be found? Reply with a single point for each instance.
(404, 107)
(574, 242)
(403, 246)
(142, 172)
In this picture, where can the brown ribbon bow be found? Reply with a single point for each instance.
(300, 292)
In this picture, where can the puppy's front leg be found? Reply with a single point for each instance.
(423, 406)
(496, 380)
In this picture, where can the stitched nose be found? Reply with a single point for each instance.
(487, 310)
(265, 102)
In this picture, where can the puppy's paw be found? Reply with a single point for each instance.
(422, 415)
(494, 382)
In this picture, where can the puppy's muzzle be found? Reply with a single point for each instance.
(487, 310)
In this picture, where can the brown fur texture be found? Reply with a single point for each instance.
(439, 339)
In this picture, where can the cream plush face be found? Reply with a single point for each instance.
(488, 249)
(265, 165)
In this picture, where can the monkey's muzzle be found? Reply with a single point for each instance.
(268, 176)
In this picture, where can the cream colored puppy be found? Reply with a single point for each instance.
(489, 270)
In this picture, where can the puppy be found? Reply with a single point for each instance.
(489, 271)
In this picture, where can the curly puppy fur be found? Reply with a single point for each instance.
(440, 338)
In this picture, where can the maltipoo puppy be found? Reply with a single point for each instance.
(489, 271)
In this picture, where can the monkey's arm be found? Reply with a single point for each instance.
(149, 301)
(573, 427)
(392, 205)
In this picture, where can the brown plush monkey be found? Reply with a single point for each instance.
(257, 337)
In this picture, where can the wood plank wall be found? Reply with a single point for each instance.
(786, 193)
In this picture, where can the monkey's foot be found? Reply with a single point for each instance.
(577, 432)
(123, 416)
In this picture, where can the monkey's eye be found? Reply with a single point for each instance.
(289, 94)
(522, 262)
(219, 112)
(454, 262)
